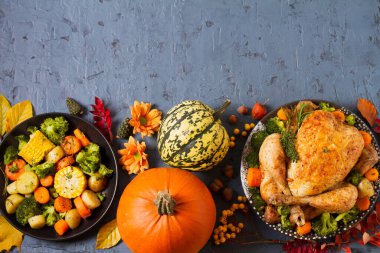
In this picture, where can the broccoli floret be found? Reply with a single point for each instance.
(350, 119)
(348, 216)
(256, 142)
(55, 129)
(284, 212)
(326, 107)
(44, 169)
(53, 192)
(285, 223)
(274, 125)
(51, 216)
(101, 196)
(32, 129)
(22, 140)
(325, 225)
(27, 208)
(10, 154)
(103, 170)
(354, 177)
(88, 159)
(258, 202)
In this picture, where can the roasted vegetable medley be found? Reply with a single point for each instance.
(55, 178)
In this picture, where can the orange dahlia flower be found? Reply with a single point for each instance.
(133, 159)
(144, 120)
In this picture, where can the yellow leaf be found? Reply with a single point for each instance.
(18, 113)
(9, 236)
(108, 236)
(4, 107)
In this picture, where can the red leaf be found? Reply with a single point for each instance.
(378, 213)
(376, 128)
(102, 118)
(371, 221)
(346, 249)
(375, 240)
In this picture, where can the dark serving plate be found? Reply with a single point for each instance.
(107, 158)
(360, 124)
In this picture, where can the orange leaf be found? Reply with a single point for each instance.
(367, 110)
(9, 236)
(108, 236)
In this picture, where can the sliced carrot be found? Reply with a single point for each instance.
(14, 169)
(47, 181)
(339, 115)
(61, 227)
(305, 229)
(366, 137)
(82, 209)
(71, 145)
(363, 203)
(64, 162)
(282, 115)
(62, 204)
(82, 138)
(372, 174)
(254, 177)
(41, 195)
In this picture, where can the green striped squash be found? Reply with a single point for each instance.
(192, 136)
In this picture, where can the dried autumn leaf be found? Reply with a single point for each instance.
(9, 236)
(366, 238)
(102, 118)
(367, 110)
(108, 236)
(4, 107)
(18, 113)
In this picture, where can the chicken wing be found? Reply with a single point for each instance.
(367, 160)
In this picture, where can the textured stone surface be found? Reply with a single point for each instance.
(168, 51)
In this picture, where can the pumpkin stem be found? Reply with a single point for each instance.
(165, 203)
(222, 109)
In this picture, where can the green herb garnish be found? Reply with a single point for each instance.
(288, 140)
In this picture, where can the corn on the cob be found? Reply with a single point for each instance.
(70, 182)
(36, 149)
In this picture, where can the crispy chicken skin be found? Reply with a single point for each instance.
(272, 167)
(367, 159)
(273, 171)
(327, 149)
(339, 200)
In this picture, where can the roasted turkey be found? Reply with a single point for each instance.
(328, 150)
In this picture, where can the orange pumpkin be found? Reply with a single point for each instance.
(166, 210)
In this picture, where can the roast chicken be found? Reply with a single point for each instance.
(328, 150)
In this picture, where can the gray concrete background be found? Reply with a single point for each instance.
(168, 51)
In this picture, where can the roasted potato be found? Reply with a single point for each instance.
(37, 221)
(12, 188)
(55, 155)
(365, 188)
(97, 182)
(12, 202)
(90, 199)
(73, 218)
(27, 182)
